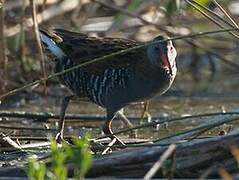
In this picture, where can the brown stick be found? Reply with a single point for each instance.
(225, 13)
(191, 3)
(22, 39)
(7, 142)
(3, 59)
(160, 162)
(37, 36)
(44, 116)
(26, 128)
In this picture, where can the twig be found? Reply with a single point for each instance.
(209, 17)
(111, 55)
(213, 13)
(6, 141)
(44, 116)
(3, 59)
(150, 174)
(26, 146)
(35, 138)
(37, 36)
(34, 145)
(29, 138)
(25, 128)
(225, 13)
(109, 145)
(197, 129)
(20, 45)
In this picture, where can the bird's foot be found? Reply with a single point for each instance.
(59, 138)
(119, 141)
(114, 140)
(147, 115)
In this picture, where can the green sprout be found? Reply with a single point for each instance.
(77, 154)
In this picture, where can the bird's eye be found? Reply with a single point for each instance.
(171, 48)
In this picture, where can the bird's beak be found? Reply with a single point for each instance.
(166, 63)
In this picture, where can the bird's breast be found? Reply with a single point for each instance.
(138, 88)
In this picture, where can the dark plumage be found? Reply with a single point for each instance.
(127, 78)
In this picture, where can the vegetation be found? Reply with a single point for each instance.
(78, 154)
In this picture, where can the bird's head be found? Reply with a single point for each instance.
(162, 54)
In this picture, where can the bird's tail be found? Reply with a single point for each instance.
(51, 46)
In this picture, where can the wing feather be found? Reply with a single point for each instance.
(82, 48)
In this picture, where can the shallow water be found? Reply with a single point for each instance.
(160, 107)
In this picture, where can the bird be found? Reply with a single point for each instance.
(129, 77)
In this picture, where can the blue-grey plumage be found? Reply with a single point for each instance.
(127, 78)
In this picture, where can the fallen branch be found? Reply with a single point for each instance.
(160, 162)
(26, 128)
(192, 159)
(45, 116)
(25, 147)
(7, 142)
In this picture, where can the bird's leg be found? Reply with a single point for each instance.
(124, 119)
(107, 129)
(127, 122)
(146, 111)
(64, 104)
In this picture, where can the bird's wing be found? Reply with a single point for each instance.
(81, 48)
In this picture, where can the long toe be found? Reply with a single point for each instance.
(119, 141)
(59, 138)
